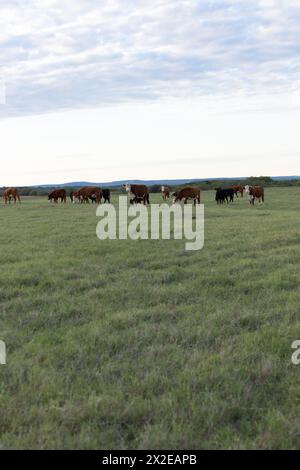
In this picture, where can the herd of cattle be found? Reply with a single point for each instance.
(139, 193)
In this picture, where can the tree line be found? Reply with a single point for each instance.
(265, 181)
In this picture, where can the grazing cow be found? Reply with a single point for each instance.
(10, 199)
(255, 192)
(187, 193)
(165, 192)
(223, 195)
(74, 196)
(58, 194)
(89, 192)
(137, 191)
(11, 193)
(238, 189)
(106, 195)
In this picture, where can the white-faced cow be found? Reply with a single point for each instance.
(165, 192)
(187, 193)
(255, 192)
(137, 192)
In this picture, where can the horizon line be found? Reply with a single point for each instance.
(153, 181)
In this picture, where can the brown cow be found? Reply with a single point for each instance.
(238, 189)
(137, 191)
(255, 192)
(188, 193)
(58, 194)
(74, 197)
(11, 193)
(165, 192)
(90, 192)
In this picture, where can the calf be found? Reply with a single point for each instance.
(137, 200)
(165, 192)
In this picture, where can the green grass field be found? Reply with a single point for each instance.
(141, 344)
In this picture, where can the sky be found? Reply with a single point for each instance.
(102, 90)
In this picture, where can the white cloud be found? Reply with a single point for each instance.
(122, 51)
(218, 82)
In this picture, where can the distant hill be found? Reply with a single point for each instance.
(171, 182)
(205, 183)
(285, 178)
(121, 182)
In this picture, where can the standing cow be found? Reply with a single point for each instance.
(187, 193)
(11, 193)
(165, 192)
(223, 195)
(255, 192)
(136, 192)
(89, 192)
(106, 195)
(238, 190)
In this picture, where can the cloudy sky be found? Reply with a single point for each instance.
(111, 89)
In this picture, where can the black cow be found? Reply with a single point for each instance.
(137, 200)
(106, 195)
(223, 195)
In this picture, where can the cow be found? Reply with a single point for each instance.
(58, 194)
(255, 192)
(89, 192)
(75, 198)
(11, 193)
(136, 200)
(187, 193)
(223, 195)
(10, 199)
(165, 192)
(238, 190)
(137, 191)
(106, 195)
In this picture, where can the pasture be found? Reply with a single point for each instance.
(141, 344)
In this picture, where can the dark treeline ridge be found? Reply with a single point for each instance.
(265, 181)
